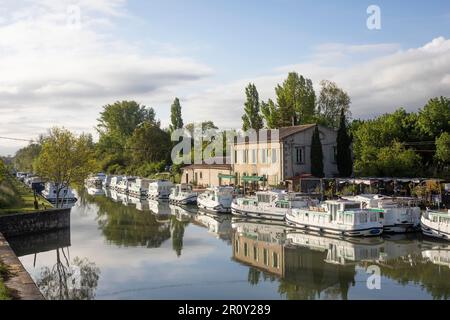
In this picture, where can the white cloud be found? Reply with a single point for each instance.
(55, 74)
(377, 82)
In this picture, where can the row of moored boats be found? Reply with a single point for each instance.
(363, 215)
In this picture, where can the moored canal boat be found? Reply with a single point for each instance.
(159, 190)
(183, 194)
(436, 224)
(139, 188)
(271, 205)
(216, 199)
(345, 218)
(66, 195)
(398, 215)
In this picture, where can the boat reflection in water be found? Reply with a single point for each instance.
(216, 223)
(96, 191)
(311, 266)
(182, 214)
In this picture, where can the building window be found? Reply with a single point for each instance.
(201, 175)
(236, 246)
(235, 156)
(245, 249)
(245, 156)
(275, 260)
(255, 253)
(266, 257)
(263, 153)
(196, 177)
(299, 155)
(253, 156)
(274, 156)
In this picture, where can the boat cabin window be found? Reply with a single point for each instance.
(282, 204)
(349, 206)
(349, 218)
(363, 217)
(373, 217)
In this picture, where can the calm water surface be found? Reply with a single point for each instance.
(123, 248)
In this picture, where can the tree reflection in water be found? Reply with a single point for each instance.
(69, 281)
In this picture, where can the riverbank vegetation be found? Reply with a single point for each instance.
(5, 293)
(16, 197)
(132, 140)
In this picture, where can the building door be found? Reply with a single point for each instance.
(187, 177)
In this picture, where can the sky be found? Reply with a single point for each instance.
(61, 61)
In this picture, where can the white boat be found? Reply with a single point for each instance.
(345, 218)
(95, 181)
(65, 195)
(399, 215)
(139, 188)
(115, 181)
(436, 224)
(107, 181)
(216, 199)
(124, 185)
(272, 205)
(159, 189)
(183, 194)
(219, 225)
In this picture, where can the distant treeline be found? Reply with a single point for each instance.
(396, 144)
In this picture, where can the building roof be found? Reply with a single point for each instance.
(284, 132)
(289, 131)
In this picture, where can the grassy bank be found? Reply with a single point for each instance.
(17, 197)
(4, 292)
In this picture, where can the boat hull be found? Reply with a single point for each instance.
(428, 230)
(335, 230)
(259, 215)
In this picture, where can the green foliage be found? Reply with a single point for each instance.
(5, 293)
(443, 148)
(296, 103)
(175, 116)
(434, 118)
(24, 158)
(332, 102)
(149, 143)
(316, 155)
(344, 153)
(252, 118)
(65, 159)
(270, 114)
(392, 161)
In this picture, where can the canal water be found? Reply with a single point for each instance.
(124, 248)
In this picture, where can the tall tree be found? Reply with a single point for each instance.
(252, 118)
(332, 101)
(271, 114)
(120, 119)
(443, 148)
(149, 144)
(434, 118)
(316, 155)
(176, 120)
(344, 153)
(65, 159)
(296, 100)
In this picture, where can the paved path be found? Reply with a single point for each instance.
(20, 281)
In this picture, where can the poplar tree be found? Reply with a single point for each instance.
(252, 118)
(316, 155)
(344, 153)
(176, 121)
